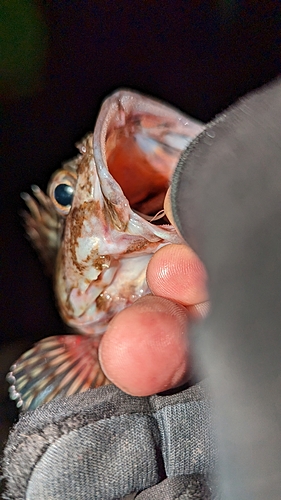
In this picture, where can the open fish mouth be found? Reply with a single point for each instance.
(140, 141)
(96, 231)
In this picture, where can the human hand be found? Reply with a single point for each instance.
(146, 347)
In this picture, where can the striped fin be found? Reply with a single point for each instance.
(55, 367)
(43, 226)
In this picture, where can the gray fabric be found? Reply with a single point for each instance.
(105, 444)
(176, 427)
(105, 461)
(179, 488)
(227, 203)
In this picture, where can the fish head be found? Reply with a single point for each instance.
(107, 198)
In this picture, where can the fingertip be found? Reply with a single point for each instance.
(145, 349)
(168, 207)
(176, 272)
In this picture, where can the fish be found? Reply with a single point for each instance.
(95, 231)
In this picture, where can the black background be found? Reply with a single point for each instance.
(199, 56)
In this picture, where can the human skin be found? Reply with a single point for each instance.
(146, 347)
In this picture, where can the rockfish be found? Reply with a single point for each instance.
(96, 231)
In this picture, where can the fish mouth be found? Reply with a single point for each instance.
(128, 159)
(140, 140)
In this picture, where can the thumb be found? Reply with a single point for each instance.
(168, 208)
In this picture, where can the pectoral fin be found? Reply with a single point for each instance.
(55, 367)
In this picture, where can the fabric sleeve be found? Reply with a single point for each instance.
(226, 197)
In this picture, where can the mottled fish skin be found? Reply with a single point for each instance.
(98, 239)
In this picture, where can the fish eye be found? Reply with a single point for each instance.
(61, 190)
(63, 194)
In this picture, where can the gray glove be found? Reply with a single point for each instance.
(104, 444)
(227, 199)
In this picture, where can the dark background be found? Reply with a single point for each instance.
(60, 60)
